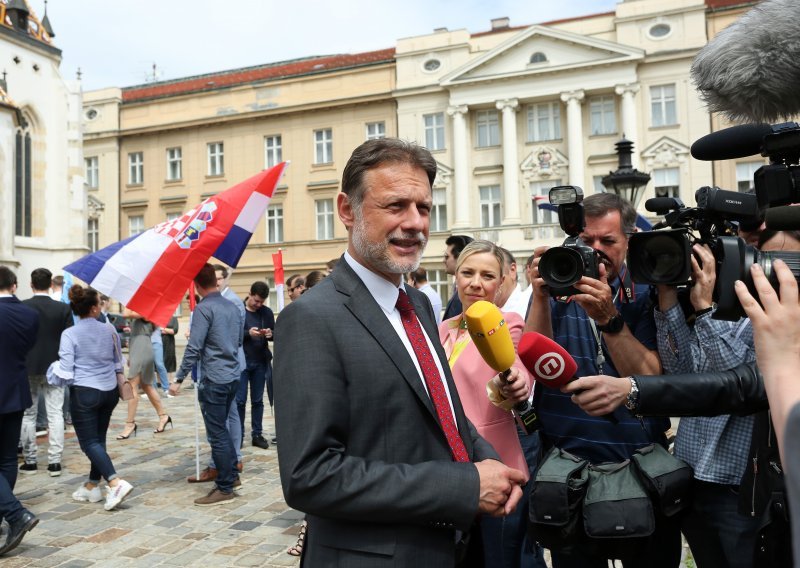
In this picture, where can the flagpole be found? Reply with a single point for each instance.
(196, 396)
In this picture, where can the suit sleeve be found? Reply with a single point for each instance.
(321, 473)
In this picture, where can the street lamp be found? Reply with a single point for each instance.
(626, 181)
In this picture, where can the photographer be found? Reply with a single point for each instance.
(777, 337)
(607, 327)
(717, 445)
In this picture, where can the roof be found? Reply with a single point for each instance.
(259, 73)
(549, 23)
(727, 4)
(36, 30)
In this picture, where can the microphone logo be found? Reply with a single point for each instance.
(549, 366)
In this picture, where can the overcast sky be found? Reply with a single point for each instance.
(116, 42)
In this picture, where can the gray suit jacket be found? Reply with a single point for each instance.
(361, 450)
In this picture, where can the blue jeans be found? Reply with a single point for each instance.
(531, 554)
(715, 530)
(255, 375)
(161, 369)
(91, 414)
(10, 507)
(215, 403)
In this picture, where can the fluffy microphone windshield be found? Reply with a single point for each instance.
(750, 71)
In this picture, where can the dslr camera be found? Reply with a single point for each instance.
(562, 267)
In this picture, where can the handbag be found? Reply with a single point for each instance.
(123, 386)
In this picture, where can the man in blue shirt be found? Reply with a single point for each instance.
(214, 340)
(607, 327)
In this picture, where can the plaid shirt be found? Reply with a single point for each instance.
(716, 447)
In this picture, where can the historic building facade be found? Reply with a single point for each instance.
(508, 113)
(42, 196)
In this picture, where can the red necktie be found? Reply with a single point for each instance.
(432, 378)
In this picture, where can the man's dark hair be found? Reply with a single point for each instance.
(600, 204)
(458, 242)
(374, 153)
(419, 276)
(221, 269)
(41, 278)
(331, 264)
(290, 283)
(58, 280)
(314, 277)
(260, 289)
(206, 278)
(530, 260)
(7, 278)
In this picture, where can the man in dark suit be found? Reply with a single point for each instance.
(17, 336)
(388, 474)
(54, 318)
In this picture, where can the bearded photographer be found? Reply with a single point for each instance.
(719, 448)
(607, 327)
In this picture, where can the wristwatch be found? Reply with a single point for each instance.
(632, 402)
(614, 325)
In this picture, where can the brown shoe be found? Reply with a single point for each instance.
(208, 474)
(240, 466)
(214, 497)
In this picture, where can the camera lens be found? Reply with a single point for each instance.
(560, 267)
(660, 257)
(765, 260)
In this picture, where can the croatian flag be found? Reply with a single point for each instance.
(149, 273)
(277, 262)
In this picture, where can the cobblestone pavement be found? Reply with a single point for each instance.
(158, 524)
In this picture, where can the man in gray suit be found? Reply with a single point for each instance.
(387, 474)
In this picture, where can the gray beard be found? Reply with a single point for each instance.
(377, 253)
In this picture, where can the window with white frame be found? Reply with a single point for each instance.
(273, 150)
(667, 182)
(174, 164)
(597, 184)
(487, 128)
(603, 115)
(174, 216)
(135, 225)
(662, 105)
(93, 234)
(441, 282)
(544, 121)
(216, 159)
(135, 168)
(92, 172)
(744, 174)
(490, 205)
(439, 210)
(434, 131)
(376, 130)
(275, 223)
(541, 189)
(324, 212)
(323, 146)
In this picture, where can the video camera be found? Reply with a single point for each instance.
(561, 267)
(663, 256)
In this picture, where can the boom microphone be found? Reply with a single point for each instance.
(549, 363)
(731, 143)
(489, 332)
(786, 218)
(749, 70)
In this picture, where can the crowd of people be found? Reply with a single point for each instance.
(400, 455)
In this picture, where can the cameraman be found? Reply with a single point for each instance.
(718, 446)
(607, 328)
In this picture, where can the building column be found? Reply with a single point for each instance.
(629, 118)
(573, 100)
(461, 201)
(510, 162)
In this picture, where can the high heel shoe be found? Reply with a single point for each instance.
(169, 421)
(135, 428)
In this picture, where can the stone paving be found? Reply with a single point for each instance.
(158, 524)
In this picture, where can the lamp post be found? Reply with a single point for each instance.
(626, 181)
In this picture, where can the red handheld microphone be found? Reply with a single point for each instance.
(549, 363)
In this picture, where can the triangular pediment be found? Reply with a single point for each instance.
(444, 175)
(539, 50)
(665, 152)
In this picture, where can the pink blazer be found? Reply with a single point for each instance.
(471, 374)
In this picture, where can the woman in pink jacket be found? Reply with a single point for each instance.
(479, 276)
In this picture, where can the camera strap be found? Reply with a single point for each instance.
(601, 358)
(626, 292)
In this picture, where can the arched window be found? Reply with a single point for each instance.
(538, 57)
(22, 181)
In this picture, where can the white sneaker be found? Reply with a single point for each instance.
(116, 494)
(143, 397)
(85, 494)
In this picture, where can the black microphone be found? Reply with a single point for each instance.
(749, 70)
(731, 143)
(786, 218)
(662, 204)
